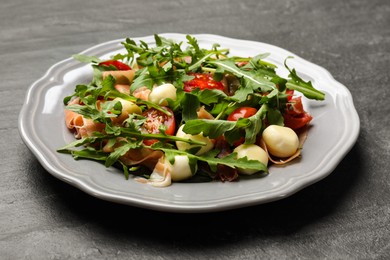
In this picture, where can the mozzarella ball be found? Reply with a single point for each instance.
(252, 152)
(128, 107)
(280, 141)
(160, 94)
(183, 146)
(180, 169)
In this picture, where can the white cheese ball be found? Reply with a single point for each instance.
(180, 170)
(128, 107)
(280, 141)
(160, 94)
(252, 152)
(183, 146)
(164, 172)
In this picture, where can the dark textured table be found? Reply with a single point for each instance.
(344, 216)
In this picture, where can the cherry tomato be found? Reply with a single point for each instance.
(118, 64)
(290, 93)
(202, 81)
(154, 120)
(241, 112)
(294, 107)
(295, 116)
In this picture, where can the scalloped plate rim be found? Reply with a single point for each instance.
(88, 185)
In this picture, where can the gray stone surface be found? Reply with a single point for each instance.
(344, 216)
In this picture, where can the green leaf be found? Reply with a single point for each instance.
(275, 117)
(241, 94)
(107, 84)
(256, 125)
(158, 40)
(119, 151)
(77, 143)
(194, 43)
(143, 80)
(210, 96)
(306, 88)
(210, 128)
(211, 159)
(232, 161)
(86, 59)
(197, 64)
(190, 104)
(307, 92)
(250, 77)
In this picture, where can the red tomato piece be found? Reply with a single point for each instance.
(290, 93)
(154, 120)
(202, 81)
(294, 107)
(117, 64)
(295, 116)
(241, 112)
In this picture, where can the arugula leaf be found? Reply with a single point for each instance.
(215, 128)
(211, 159)
(77, 143)
(197, 64)
(232, 161)
(86, 59)
(256, 125)
(242, 93)
(106, 85)
(190, 104)
(120, 151)
(253, 80)
(210, 96)
(194, 43)
(142, 80)
(210, 128)
(306, 88)
(89, 153)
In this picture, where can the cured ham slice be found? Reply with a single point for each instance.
(82, 127)
(144, 156)
(122, 88)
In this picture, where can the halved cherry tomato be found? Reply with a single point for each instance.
(241, 112)
(290, 93)
(154, 120)
(295, 116)
(202, 81)
(116, 63)
(294, 107)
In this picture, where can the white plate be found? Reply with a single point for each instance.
(334, 130)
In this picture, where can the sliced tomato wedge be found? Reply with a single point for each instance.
(295, 107)
(156, 119)
(202, 81)
(116, 63)
(241, 112)
(290, 93)
(295, 116)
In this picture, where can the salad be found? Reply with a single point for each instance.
(177, 112)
